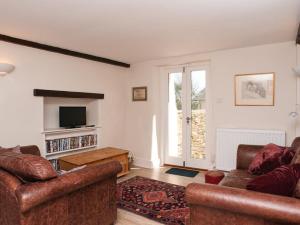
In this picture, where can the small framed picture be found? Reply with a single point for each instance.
(255, 89)
(139, 94)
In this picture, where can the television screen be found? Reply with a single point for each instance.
(71, 117)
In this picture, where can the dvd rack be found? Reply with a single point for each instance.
(70, 143)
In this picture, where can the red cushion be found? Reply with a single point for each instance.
(213, 177)
(287, 156)
(266, 160)
(281, 181)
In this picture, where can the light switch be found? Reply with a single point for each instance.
(219, 100)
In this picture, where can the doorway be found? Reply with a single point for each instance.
(187, 117)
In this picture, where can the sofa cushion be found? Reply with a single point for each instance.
(237, 179)
(16, 149)
(240, 174)
(27, 167)
(281, 181)
(235, 182)
(266, 160)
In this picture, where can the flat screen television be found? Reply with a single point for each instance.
(71, 117)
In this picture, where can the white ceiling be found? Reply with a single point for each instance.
(138, 30)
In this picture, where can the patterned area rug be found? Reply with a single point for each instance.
(154, 199)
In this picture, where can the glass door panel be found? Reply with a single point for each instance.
(198, 123)
(175, 116)
(196, 103)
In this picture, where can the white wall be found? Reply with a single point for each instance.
(129, 124)
(278, 58)
(21, 114)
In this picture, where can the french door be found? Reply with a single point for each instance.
(187, 117)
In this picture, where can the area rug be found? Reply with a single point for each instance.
(182, 172)
(154, 199)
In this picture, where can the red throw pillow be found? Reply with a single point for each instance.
(287, 156)
(281, 181)
(266, 160)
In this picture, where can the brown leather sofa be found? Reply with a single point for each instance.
(230, 203)
(83, 197)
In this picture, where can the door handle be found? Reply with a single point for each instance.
(188, 119)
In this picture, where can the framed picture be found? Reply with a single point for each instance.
(139, 94)
(254, 89)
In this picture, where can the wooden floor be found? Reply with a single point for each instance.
(127, 218)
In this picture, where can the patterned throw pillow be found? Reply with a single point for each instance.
(287, 156)
(281, 181)
(266, 160)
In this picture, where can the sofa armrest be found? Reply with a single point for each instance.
(267, 206)
(33, 194)
(245, 155)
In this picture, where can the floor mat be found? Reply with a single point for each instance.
(182, 172)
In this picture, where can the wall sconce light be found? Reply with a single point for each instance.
(295, 114)
(6, 68)
(297, 70)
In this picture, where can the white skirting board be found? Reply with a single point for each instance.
(228, 141)
(145, 163)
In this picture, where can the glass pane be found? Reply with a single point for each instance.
(198, 131)
(175, 114)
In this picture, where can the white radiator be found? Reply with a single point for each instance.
(229, 139)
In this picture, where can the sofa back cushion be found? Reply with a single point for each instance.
(27, 167)
(296, 143)
(296, 158)
(31, 149)
(281, 181)
(245, 155)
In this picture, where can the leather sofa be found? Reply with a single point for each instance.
(82, 197)
(230, 203)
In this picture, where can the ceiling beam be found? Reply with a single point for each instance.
(63, 51)
(66, 94)
(298, 36)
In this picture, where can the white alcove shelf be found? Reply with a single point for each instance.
(58, 141)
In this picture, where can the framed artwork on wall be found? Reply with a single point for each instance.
(139, 94)
(255, 89)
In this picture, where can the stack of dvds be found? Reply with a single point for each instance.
(63, 144)
(55, 164)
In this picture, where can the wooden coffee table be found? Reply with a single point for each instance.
(95, 157)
